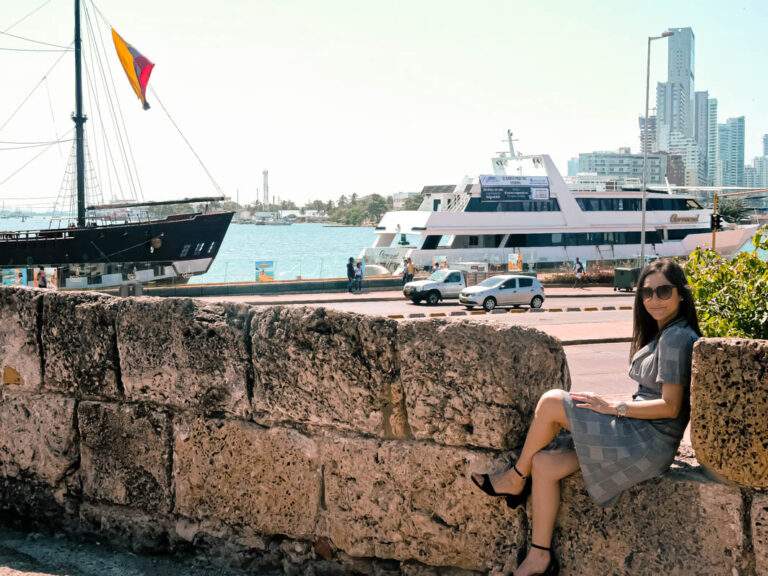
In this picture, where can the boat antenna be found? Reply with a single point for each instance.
(511, 142)
(79, 119)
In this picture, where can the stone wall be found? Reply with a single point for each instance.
(303, 440)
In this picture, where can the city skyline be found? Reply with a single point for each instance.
(370, 98)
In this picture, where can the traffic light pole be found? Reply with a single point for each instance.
(714, 223)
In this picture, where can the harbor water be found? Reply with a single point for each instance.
(296, 251)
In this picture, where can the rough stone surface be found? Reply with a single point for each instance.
(414, 501)
(125, 455)
(20, 362)
(37, 437)
(139, 531)
(238, 473)
(476, 384)
(78, 335)
(759, 516)
(678, 524)
(729, 403)
(322, 367)
(183, 354)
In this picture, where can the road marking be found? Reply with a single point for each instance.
(591, 309)
(536, 310)
(396, 316)
(554, 309)
(609, 307)
(573, 309)
(458, 313)
(437, 314)
(625, 307)
(518, 310)
(498, 311)
(417, 315)
(476, 312)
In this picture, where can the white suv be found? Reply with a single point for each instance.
(506, 290)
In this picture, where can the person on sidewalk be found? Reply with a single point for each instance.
(358, 288)
(615, 444)
(42, 281)
(350, 274)
(578, 270)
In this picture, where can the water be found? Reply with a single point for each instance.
(299, 250)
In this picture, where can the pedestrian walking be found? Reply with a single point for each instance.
(350, 274)
(410, 269)
(615, 443)
(358, 285)
(578, 270)
(42, 282)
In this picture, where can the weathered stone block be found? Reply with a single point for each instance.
(414, 501)
(37, 437)
(729, 403)
(266, 480)
(20, 361)
(323, 367)
(125, 455)
(759, 515)
(473, 384)
(184, 354)
(678, 524)
(78, 335)
(146, 533)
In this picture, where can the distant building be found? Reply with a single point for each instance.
(765, 144)
(623, 165)
(760, 165)
(680, 73)
(701, 133)
(750, 177)
(399, 198)
(573, 166)
(731, 151)
(688, 149)
(648, 142)
(675, 170)
(714, 167)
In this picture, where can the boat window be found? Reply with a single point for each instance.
(525, 282)
(474, 240)
(431, 242)
(476, 205)
(185, 250)
(692, 205)
(210, 248)
(199, 248)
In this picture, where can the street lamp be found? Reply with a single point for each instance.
(645, 142)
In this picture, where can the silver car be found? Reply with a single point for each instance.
(506, 290)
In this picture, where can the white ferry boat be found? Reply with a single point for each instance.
(525, 207)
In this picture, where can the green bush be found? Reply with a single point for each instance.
(731, 294)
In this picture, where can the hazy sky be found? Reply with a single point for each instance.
(343, 96)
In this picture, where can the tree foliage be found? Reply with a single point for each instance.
(413, 202)
(733, 209)
(361, 210)
(731, 295)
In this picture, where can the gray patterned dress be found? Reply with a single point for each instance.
(617, 453)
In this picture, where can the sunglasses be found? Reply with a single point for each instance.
(663, 292)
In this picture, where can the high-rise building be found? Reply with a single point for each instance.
(701, 133)
(680, 71)
(761, 171)
(573, 166)
(623, 165)
(750, 176)
(713, 149)
(688, 149)
(671, 103)
(648, 140)
(765, 144)
(731, 151)
(675, 170)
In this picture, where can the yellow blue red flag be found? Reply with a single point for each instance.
(137, 67)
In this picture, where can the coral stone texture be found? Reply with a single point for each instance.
(326, 368)
(467, 383)
(37, 437)
(78, 337)
(729, 408)
(266, 480)
(414, 501)
(125, 455)
(183, 354)
(20, 361)
(759, 527)
(679, 524)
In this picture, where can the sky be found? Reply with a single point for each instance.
(367, 96)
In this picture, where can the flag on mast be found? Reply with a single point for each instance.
(137, 67)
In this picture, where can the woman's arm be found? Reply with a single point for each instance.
(668, 406)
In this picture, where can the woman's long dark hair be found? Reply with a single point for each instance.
(645, 328)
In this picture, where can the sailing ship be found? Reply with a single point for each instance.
(112, 244)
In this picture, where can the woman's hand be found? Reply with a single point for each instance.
(593, 402)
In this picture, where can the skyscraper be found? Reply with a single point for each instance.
(731, 151)
(680, 71)
(701, 133)
(713, 148)
(765, 144)
(648, 141)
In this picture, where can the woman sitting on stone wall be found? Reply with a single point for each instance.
(615, 444)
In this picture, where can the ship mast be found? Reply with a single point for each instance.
(79, 120)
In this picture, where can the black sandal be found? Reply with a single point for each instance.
(513, 500)
(553, 568)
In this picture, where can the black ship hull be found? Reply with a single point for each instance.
(177, 246)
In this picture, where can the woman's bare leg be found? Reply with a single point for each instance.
(549, 467)
(548, 419)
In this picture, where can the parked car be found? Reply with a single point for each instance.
(505, 290)
(441, 285)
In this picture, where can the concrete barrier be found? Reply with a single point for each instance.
(317, 441)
